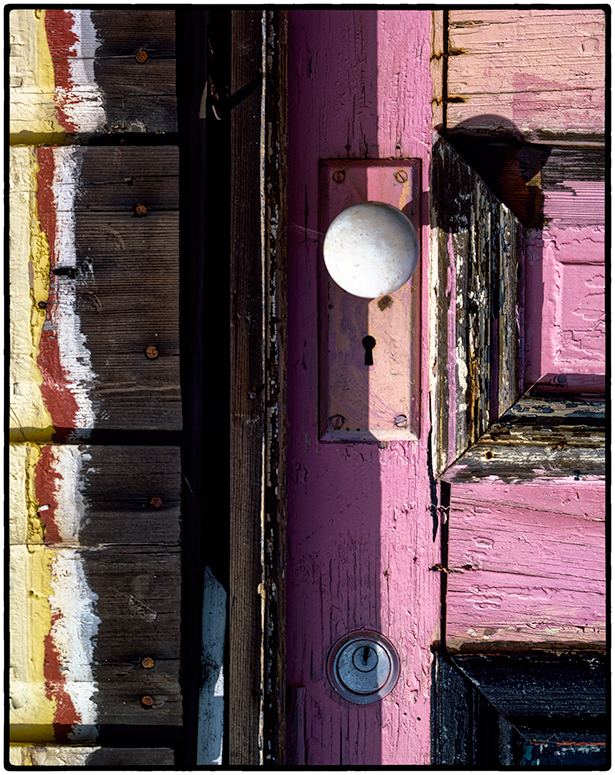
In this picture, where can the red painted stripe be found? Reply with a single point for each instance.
(61, 40)
(46, 486)
(55, 682)
(56, 388)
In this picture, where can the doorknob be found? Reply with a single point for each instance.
(371, 249)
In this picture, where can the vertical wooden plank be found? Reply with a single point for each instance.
(245, 686)
(276, 223)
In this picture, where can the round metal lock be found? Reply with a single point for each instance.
(363, 667)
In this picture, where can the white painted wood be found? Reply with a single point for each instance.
(211, 697)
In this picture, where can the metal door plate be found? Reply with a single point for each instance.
(378, 402)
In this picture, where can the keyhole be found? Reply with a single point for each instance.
(365, 659)
(369, 343)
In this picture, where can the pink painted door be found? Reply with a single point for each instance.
(362, 516)
(366, 519)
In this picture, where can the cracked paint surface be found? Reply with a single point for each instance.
(52, 611)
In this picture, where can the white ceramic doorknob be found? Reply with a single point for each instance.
(371, 249)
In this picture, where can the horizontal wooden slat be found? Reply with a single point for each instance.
(526, 566)
(115, 179)
(120, 495)
(501, 73)
(101, 85)
(538, 437)
(114, 288)
(121, 687)
(123, 32)
(138, 602)
(89, 756)
(569, 685)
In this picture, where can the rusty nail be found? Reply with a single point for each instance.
(401, 176)
(339, 176)
(42, 305)
(401, 421)
(147, 662)
(337, 420)
(141, 210)
(488, 454)
(147, 701)
(141, 56)
(151, 352)
(156, 501)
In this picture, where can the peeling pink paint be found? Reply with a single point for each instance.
(565, 307)
(527, 565)
(360, 522)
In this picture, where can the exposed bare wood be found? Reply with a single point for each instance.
(477, 242)
(276, 214)
(538, 437)
(248, 396)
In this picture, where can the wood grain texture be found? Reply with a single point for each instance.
(123, 32)
(115, 179)
(113, 288)
(276, 353)
(124, 495)
(500, 71)
(90, 756)
(526, 566)
(247, 403)
(360, 525)
(477, 331)
(112, 516)
(100, 87)
(538, 438)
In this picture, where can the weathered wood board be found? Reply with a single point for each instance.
(111, 220)
(89, 756)
(538, 438)
(526, 566)
(541, 70)
(113, 70)
(98, 545)
(520, 710)
(475, 306)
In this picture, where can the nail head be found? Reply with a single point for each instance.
(156, 502)
(151, 352)
(141, 56)
(147, 662)
(147, 701)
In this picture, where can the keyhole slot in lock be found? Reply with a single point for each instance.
(365, 659)
(369, 343)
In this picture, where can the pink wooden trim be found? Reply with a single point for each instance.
(565, 307)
